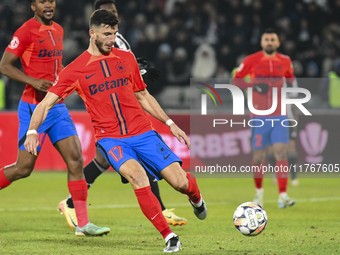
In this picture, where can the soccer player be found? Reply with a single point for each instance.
(39, 45)
(267, 65)
(109, 82)
(99, 164)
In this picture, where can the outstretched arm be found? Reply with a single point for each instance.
(150, 105)
(38, 117)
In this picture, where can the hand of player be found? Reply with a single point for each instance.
(41, 85)
(152, 73)
(31, 144)
(262, 88)
(148, 72)
(179, 134)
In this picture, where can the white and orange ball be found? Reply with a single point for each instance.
(250, 219)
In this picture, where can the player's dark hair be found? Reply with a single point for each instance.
(98, 3)
(269, 31)
(103, 17)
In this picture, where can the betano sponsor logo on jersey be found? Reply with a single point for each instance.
(50, 53)
(108, 85)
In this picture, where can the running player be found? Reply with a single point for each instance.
(39, 45)
(267, 65)
(109, 82)
(99, 165)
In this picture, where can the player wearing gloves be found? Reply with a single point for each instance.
(268, 69)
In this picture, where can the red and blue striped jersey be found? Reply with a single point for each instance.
(40, 49)
(107, 84)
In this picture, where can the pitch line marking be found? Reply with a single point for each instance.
(309, 200)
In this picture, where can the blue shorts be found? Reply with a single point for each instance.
(149, 149)
(58, 124)
(271, 132)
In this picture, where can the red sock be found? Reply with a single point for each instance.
(4, 182)
(282, 176)
(258, 175)
(192, 191)
(78, 191)
(151, 208)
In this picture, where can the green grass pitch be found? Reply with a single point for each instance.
(31, 224)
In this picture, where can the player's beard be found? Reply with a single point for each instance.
(100, 47)
(269, 51)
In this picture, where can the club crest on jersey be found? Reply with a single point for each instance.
(162, 149)
(14, 43)
(120, 67)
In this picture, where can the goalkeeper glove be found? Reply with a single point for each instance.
(261, 88)
(147, 71)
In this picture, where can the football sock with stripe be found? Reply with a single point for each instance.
(282, 176)
(78, 191)
(193, 191)
(258, 175)
(91, 172)
(152, 210)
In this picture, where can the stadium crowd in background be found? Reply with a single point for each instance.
(186, 33)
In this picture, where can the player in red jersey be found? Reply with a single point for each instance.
(99, 165)
(39, 45)
(109, 82)
(268, 69)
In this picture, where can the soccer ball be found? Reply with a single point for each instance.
(250, 219)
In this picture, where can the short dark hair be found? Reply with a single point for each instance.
(98, 3)
(103, 17)
(269, 31)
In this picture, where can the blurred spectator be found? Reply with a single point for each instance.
(222, 73)
(178, 70)
(304, 36)
(162, 61)
(312, 69)
(225, 57)
(308, 29)
(330, 88)
(298, 68)
(205, 63)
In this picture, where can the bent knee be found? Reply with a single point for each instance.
(259, 160)
(22, 171)
(181, 184)
(281, 155)
(75, 164)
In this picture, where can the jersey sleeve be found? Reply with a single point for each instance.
(244, 69)
(20, 41)
(290, 71)
(66, 83)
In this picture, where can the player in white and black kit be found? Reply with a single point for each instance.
(99, 165)
(121, 42)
